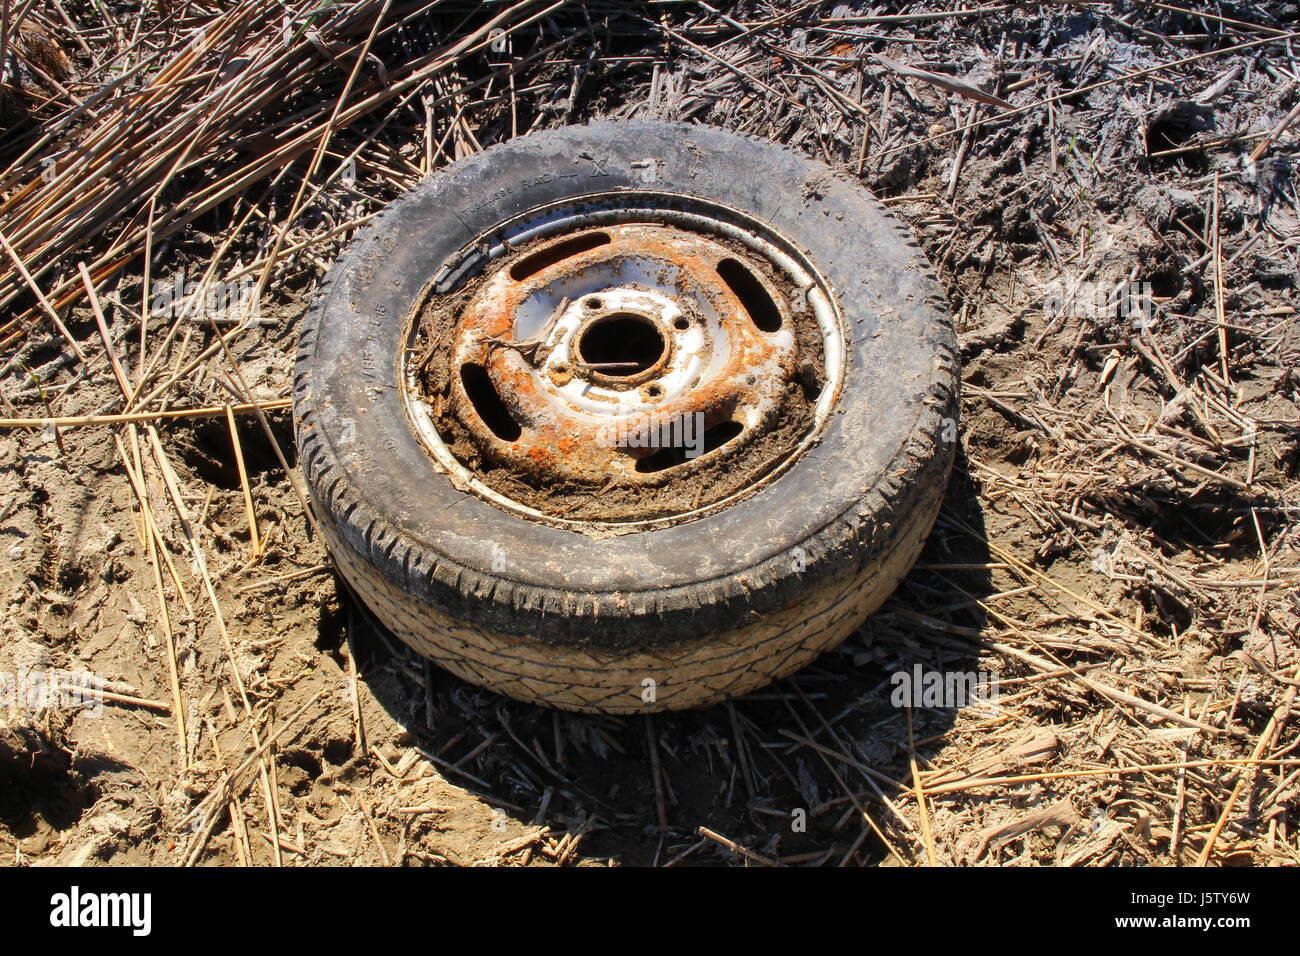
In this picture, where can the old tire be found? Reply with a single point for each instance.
(685, 612)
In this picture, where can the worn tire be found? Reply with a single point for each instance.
(705, 609)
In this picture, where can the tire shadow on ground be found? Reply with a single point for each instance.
(782, 775)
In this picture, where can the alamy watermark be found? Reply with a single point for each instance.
(943, 689)
(225, 303)
(498, 558)
(40, 689)
(675, 431)
(75, 909)
(1128, 301)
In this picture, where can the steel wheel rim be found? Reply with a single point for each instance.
(525, 303)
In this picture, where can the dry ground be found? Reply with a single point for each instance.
(1119, 545)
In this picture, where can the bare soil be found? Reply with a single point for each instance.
(1119, 545)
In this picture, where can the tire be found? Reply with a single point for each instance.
(684, 613)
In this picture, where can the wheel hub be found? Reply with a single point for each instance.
(624, 371)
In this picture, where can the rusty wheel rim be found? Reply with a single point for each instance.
(630, 360)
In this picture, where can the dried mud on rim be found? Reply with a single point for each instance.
(601, 503)
(1109, 194)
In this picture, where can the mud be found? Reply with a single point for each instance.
(729, 473)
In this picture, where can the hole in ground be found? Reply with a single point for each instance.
(1175, 128)
(300, 769)
(211, 454)
(41, 784)
(331, 623)
(338, 751)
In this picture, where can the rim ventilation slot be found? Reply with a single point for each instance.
(752, 294)
(483, 395)
(535, 263)
(714, 438)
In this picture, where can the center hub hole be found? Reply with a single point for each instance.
(622, 344)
